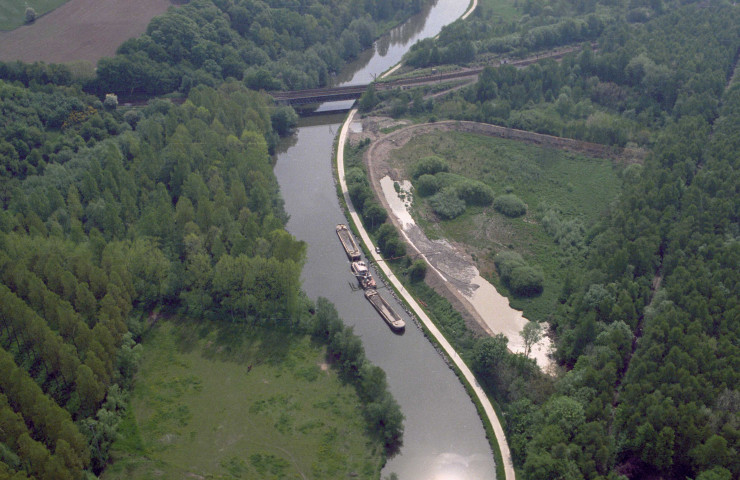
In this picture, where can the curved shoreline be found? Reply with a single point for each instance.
(466, 373)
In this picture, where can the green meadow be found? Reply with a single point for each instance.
(506, 10)
(13, 14)
(223, 401)
(570, 189)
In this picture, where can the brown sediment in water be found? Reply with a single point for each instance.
(453, 272)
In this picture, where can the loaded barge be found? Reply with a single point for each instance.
(391, 318)
(366, 281)
(348, 242)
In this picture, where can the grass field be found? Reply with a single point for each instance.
(13, 13)
(506, 10)
(578, 188)
(200, 411)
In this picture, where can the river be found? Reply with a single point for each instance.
(444, 437)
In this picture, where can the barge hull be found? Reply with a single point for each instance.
(384, 309)
(350, 247)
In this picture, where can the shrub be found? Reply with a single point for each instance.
(522, 279)
(369, 99)
(430, 165)
(510, 205)
(427, 185)
(359, 193)
(284, 120)
(111, 101)
(398, 108)
(475, 192)
(506, 262)
(30, 15)
(355, 175)
(447, 179)
(447, 204)
(394, 247)
(373, 214)
(526, 281)
(385, 232)
(417, 270)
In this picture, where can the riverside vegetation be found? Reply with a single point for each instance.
(87, 250)
(114, 216)
(645, 316)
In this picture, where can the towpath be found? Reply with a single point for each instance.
(433, 330)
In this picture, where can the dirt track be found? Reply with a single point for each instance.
(80, 30)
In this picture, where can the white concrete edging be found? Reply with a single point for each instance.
(433, 330)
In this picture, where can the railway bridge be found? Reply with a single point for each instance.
(353, 92)
(332, 94)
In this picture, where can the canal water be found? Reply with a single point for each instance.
(444, 437)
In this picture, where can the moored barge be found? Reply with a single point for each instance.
(348, 242)
(391, 318)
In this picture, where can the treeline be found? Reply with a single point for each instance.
(382, 413)
(173, 207)
(647, 330)
(624, 92)
(460, 42)
(111, 213)
(292, 45)
(646, 327)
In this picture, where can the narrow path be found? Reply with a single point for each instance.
(433, 330)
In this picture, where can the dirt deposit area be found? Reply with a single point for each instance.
(80, 30)
(454, 273)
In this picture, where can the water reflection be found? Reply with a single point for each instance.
(443, 438)
(399, 36)
(389, 49)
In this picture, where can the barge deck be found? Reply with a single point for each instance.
(391, 318)
(348, 242)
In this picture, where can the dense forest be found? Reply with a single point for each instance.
(269, 45)
(166, 214)
(175, 208)
(111, 213)
(646, 327)
(108, 215)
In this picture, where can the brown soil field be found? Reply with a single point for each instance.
(80, 30)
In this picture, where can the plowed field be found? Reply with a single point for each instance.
(80, 30)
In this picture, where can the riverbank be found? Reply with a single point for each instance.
(463, 369)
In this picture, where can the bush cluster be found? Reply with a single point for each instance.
(447, 204)
(389, 242)
(373, 214)
(510, 205)
(382, 413)
(429, 165)
(522, 279)
(449, 193)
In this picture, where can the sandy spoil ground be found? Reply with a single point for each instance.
(80, 30)
(452, 267)
(459, 272)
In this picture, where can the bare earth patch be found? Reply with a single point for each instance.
(454, 273)
(80, 30)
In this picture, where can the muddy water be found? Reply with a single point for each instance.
(444, 438)
(493, 308)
